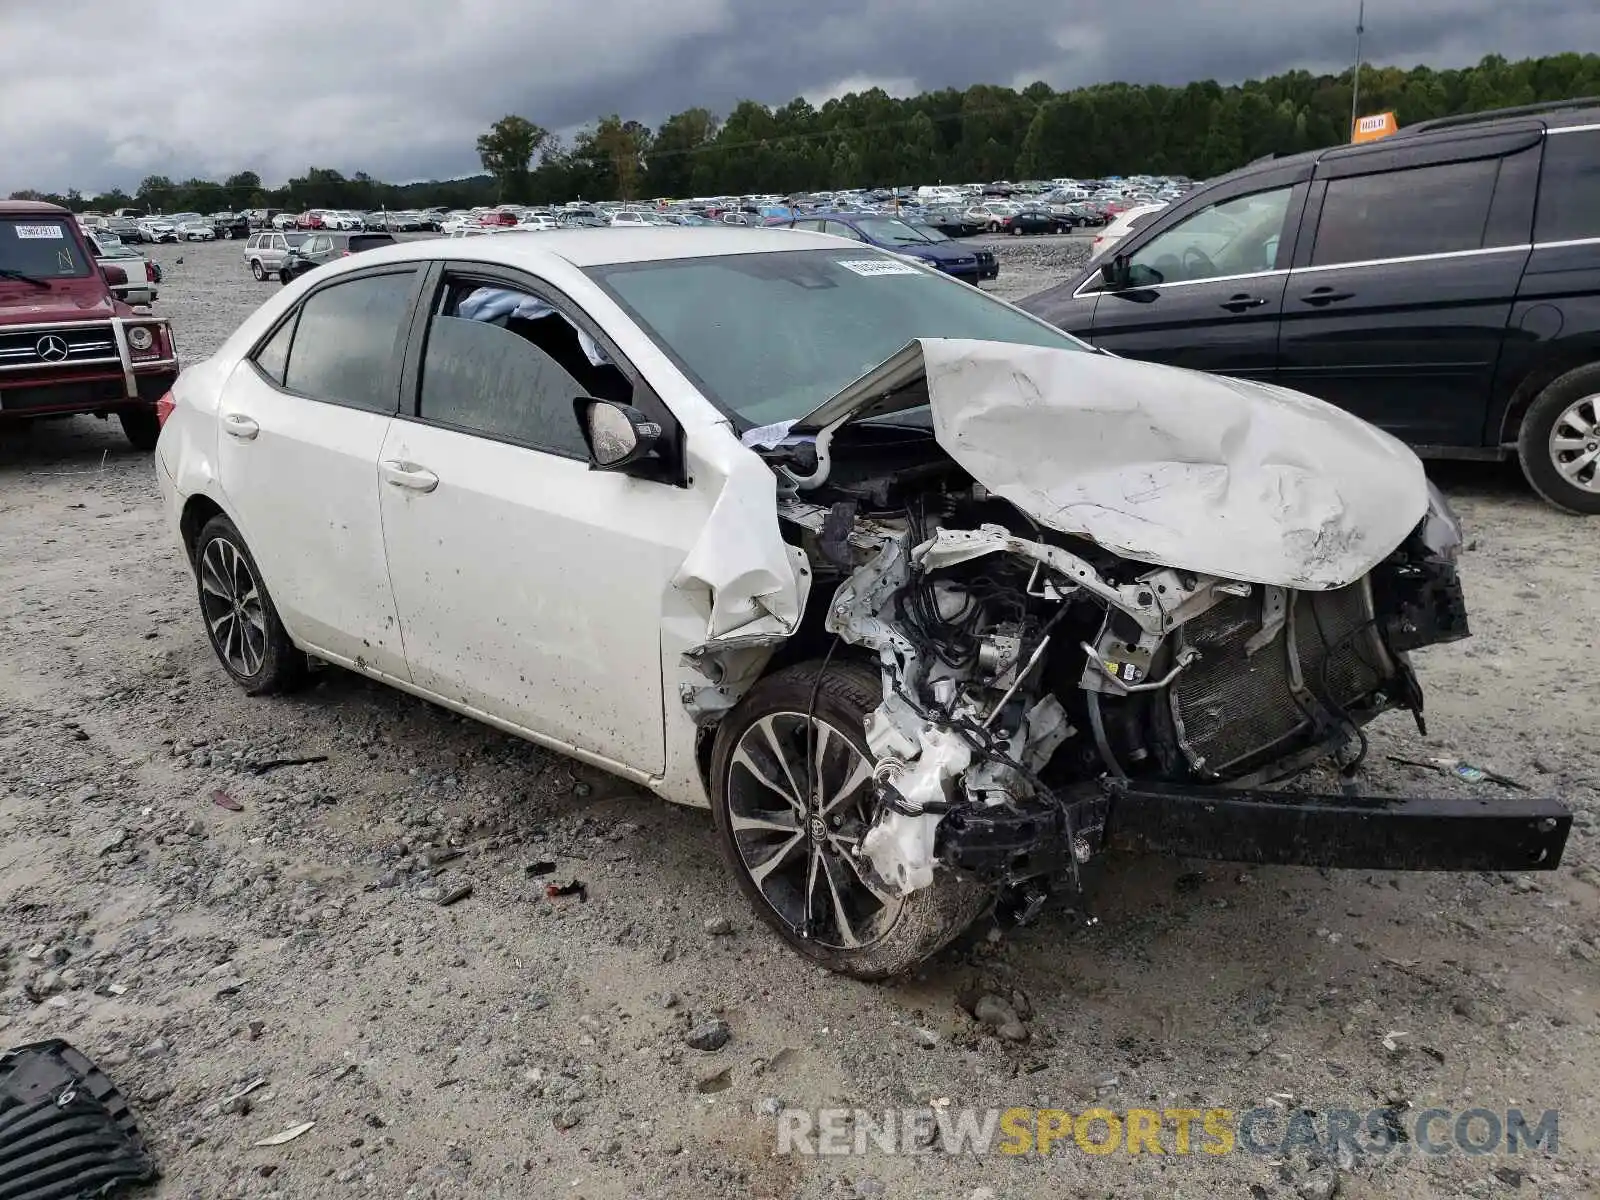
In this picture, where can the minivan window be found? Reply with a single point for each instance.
(1401, 214)
(1569, 188)
(1234, 237)
(344, 348)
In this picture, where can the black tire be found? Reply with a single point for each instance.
(224, 562)
(1540, 461)
(141, 427)
(928, 919)
(257, 269)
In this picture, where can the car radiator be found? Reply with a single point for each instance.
(1233, 709)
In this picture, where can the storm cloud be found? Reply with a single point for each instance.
(101, 94)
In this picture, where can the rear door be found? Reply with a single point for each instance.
(1205, 286)
(303, 419)
(1404, 281)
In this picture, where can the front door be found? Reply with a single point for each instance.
(302, 421)
(529, 587)
(1206, 292)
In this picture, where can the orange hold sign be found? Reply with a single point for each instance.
(1370, 129)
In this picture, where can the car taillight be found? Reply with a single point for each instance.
(164, 407)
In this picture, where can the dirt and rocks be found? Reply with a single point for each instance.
(365, 944)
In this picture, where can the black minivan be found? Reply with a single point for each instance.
(1443, 283)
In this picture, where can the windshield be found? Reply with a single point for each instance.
(769, 337)
(931, 233)
(40, 247)
(890, 230)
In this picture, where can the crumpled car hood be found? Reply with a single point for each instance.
(1203, 472)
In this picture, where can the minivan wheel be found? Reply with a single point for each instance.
(257, 269)
(241, 622)
(1559, 445)
(791, 848)
(141, 426)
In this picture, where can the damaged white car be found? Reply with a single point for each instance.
(929, 602)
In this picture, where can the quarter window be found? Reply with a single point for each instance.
(1569, 188)
(1233, 237)
(505, 363)
(273, 357)
(1400, 214)
(344, 348)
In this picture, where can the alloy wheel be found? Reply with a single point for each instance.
(799, 845)
(1575, 443)
(230, 599)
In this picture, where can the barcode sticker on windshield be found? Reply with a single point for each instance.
(877, 266)
(42, 232)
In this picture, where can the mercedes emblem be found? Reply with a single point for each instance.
(52, 348)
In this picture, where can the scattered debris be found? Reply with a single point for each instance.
(999, 1016)
(720, 1082)
(112, 841)
(708, 1036)
(445, 895)
(577, 887)
(272, 764)
(65, 1129)
(718, 926)
(542, 867)
(1460, 769)
(1389, 1042)
(288, 1135)
(222, 800)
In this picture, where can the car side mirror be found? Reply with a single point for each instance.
(1115, 271)
(115, 276)
(618, 435)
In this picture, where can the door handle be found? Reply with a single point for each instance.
(1325, 295)
(237, 425)
(1243, 301)
(408, 475)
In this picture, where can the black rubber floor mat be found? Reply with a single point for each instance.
(65, 1131)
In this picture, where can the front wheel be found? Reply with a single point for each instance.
(792, 848)
(141, 427)
(1559, 445)
(241, 622)
(257, 269)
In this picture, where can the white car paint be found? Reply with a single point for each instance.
(557, 602)
(1224, 476)
(648, 571)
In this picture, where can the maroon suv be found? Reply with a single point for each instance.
(67, 345)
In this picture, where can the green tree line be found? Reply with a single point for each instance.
(873, 139)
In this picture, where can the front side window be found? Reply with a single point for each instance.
(1232, 237)
(1402, 214)
(769, 337)
(840, 229)
(344, 348)
(506, 363)
(1569, 188)
(39, 247)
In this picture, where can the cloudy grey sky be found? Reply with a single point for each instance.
(103, 92)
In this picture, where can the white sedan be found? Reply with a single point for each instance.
(885, 571)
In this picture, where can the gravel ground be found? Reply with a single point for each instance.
(509, 1044)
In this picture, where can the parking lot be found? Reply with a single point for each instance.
(510, 1043)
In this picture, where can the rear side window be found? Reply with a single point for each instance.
(1569, 188)
(345, 345)
(273, 357)
(1428, 210)
(505, 363)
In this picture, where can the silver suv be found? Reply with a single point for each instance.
(264, 252)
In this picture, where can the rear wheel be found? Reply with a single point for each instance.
(792, 848)
(1559, 445)
(141, 427)
(241, 621)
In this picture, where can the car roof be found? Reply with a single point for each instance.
(609, 245)
(18, 208)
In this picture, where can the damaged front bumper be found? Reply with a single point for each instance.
(1007, 846)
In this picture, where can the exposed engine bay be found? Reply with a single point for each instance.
(1020, 663)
